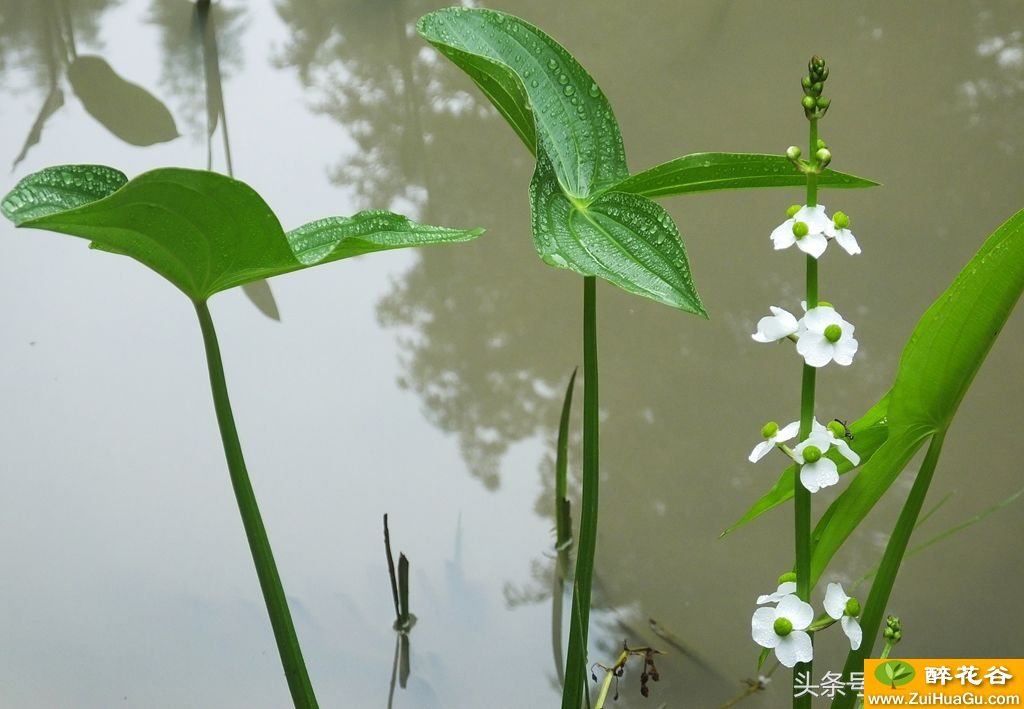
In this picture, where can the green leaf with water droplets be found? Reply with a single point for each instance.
(625, 239)
(704, 172)
(202, 231)
(57, 189)
(549, 99)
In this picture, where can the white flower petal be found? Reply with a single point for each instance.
(799, 613)
(781, 323)
(787, 432)
(835, 600)
(820, 317)
(846, 239)
(853, 631)
(762, 627)
(815, 476)
(815, 218)
(785, 589)
(815, 349)
(846, 451)
(844, 350)
(761, 450)
(813, 244)
(795, 647)
(782, 236)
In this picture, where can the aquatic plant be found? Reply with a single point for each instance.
(205, 233)
(590, 215)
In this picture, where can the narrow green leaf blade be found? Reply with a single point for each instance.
(938, 364)
(704, 172)
(627, 240)
(335, 238)
(125, 109)
(956, 333)
(59, 188)
(572, 120)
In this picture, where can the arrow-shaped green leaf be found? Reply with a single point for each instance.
(627, 240)
(202, 231)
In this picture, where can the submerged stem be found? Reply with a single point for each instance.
(576, 660)
(262, 556)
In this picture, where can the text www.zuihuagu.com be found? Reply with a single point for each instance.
(939, 699)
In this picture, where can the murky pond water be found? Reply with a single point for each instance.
(427, 385)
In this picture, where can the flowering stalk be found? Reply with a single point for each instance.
(801, 495)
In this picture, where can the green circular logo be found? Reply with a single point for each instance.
(894, 673)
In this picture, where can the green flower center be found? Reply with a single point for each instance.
(853, 608)
(787, 577)
(838, 430)
(791, 212)
(770, 429)
(783, 627)
(833, 333)
(840, 220)
(812, 454)
(800, 229)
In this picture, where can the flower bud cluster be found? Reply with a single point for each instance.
(815, 105)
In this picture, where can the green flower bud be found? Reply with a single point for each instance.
(853, 608)
(816, 88)
(887, 633)
(825, 304)
(823, 156)
(805, 84)
(808, 103)
(819, 144)
(769, 429)
(841, 220)
(787, 577)
(791, 212)
(833, 333)
(823, 102)
(837, 429)
(793, 152)
(812, 454)
(817, 69)
(783, 626)
(800, 229)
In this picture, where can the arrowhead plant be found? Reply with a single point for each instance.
(205, 233)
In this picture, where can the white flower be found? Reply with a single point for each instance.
(816, 470)
(825, 337)
(813, 225)
(772, 435)
(784, 629)
(786, 588)
(837, 441)
(839, 230)
(844, 609)
(780, 324)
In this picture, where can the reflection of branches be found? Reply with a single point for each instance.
(997, 77)
(37, 35)
(185, 38)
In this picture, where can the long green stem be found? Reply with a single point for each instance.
(874, 609)
(801, 495)
(270, 582)
(576, 659)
